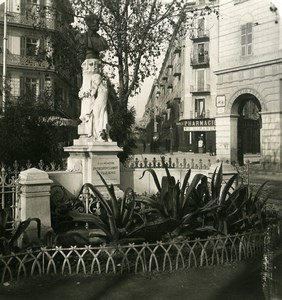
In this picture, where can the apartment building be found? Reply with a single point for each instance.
(180, 111)
(37, 60)
(249, 81)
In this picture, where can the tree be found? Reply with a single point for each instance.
(121, 122)
(135, 31)
(31, 130)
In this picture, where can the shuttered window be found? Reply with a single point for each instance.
(200, 80)
(29, 46)
(29, 85)
(246, 39)
(200, 108)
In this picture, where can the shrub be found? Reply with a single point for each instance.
(8, 239)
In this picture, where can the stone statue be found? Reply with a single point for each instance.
(94, 90)
(91, 43)
(94, 95)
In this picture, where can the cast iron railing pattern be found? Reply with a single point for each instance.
(9, 196)
(17, 167)
(177, 163)
(34, 17)
(10, 189)
(132, 258)
(27, 61)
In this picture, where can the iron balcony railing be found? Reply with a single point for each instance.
(177, 70)
(197, 59)
(35, 16)
(199, 34)
(26, 61)
(34, 62)
(206, 88)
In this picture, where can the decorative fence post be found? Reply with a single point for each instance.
(34, 200)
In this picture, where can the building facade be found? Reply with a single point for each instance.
(249, 86)
(222, 89)
(181, 104)
(34, 63)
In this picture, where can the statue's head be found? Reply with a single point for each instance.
(92, 21)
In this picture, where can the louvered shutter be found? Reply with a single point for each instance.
(22, 86)
(23, 46)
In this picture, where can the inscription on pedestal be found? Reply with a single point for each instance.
(109, 169)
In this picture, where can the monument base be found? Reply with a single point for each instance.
(89, 156)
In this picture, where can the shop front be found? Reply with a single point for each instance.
(199, 136)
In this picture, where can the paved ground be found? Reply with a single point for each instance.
(238, 281)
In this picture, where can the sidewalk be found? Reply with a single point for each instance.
(232, 281)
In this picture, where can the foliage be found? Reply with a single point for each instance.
(186, 203)
(121, 123)
(201, 210)
(134, 31)
(30, 129)
(8, 240)
(192, 209)
(116, 219)
(137, 32)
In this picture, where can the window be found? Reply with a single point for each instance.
(251, 111)
(181, 108)
(202, 53)
(29, 85)
(199, 108)
(246, 39)
(201, 27)
(200, 80)
(29, 46)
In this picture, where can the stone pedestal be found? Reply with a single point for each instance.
(35, 201)
(89, 156)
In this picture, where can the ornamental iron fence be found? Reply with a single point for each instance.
(177, 163)
(133, 258)
(10, 188)
(9, 193)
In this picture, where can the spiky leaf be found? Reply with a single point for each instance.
(155, 177)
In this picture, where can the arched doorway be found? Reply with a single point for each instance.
(248, 126)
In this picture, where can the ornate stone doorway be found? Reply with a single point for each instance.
(248, 109)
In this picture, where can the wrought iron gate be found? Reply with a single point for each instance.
(9, 193)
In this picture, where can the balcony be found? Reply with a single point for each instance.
(200, 35)
(200, 61)
(25, 61)
(33, 17)
(170, 82)
(177, 50)
(165, 77)
(169, 104)
(177, 71)
(176, 96)
(203, 89)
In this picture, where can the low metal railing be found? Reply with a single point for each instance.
(132, 258)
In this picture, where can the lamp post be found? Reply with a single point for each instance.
(171, 139)
(4, 58)
(156, 102)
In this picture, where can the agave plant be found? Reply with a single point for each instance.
(182, 203)
(238, 209)
(8, 239)
(253, 214)
(119, 213)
